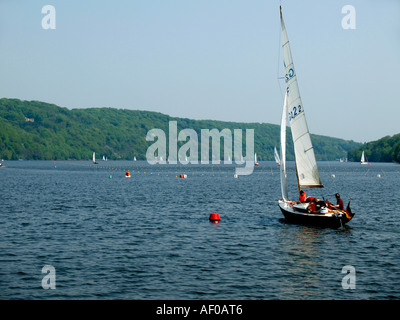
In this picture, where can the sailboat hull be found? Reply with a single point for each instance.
(332, 220)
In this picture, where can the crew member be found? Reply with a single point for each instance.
(302, 196)
(340, 204)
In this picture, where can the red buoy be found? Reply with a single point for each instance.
(214, 217)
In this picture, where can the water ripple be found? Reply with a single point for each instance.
(149, 237)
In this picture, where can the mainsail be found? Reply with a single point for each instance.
(306, 165)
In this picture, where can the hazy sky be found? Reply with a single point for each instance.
(209, 59)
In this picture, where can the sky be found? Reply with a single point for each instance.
(209, 59)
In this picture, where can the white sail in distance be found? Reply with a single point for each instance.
(306, 165)
(276, 155)
(363, 158)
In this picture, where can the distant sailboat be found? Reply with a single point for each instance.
(363, 158)
(255, 160)
(94, 158)
(134, 158)
(317, 213)
(276, 155)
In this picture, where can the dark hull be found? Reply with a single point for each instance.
(331, 221)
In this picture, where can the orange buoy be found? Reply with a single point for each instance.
(214, 217)
(181, 176)
(127, 174)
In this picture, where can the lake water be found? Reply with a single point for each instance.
(149, 237)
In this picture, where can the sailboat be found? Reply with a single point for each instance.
(94, 158)
(316, 212)
(363, 158)
(276, 155)
(255, 160)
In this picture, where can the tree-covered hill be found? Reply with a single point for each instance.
(386, 149)
(37, 130)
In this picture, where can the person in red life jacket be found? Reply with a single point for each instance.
(302, 196)
(310, 199)
(340, 204)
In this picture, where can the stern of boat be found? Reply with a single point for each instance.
(347, 214)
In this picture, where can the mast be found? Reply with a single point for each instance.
(282, 166)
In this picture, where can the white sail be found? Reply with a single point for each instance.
(276, 155)
(94, 157)
(363, 158)
(255, 157)
(306, 165)
(284, 189)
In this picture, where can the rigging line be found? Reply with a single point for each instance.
(333, 176)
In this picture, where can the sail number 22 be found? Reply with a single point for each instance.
(296, 110)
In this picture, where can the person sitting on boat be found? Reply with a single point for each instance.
(310, 199)
(302, 196)
(315, 204)
(340, 204)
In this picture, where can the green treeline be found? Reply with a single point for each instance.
(41, 131)
(386, 149)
